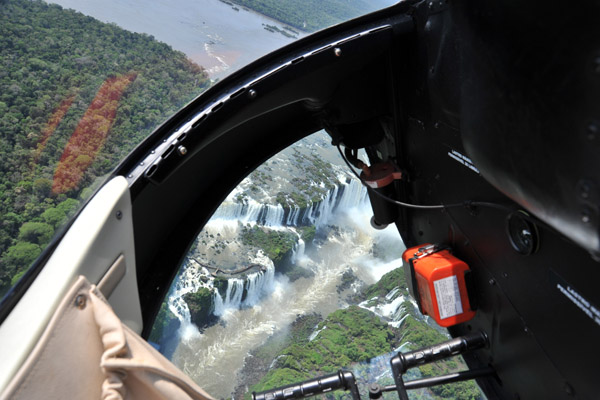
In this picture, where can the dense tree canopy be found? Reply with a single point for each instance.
(76, 95)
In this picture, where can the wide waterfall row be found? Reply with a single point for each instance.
(251, 211)
(245, 293)
(344, 195)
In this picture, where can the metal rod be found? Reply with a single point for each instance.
(449, 378)
(340, 380)
(442, 350)
(402, 362)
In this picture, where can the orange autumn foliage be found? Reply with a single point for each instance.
(90, 134)
(52, 124)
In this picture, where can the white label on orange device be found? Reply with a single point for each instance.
(448, 297)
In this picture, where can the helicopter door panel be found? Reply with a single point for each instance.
(101, 234)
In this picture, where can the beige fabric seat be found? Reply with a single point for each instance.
(87, 353)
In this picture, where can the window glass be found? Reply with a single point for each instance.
(76, 95)
(82, 82)
(288, 281)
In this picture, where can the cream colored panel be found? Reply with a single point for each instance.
(101, 233)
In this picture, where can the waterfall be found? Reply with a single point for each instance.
(189, 281)
(391, 309)
(254, 287)
(298, 251)
(233, 297)
(348, 193)
(250, 210)
(258, 284)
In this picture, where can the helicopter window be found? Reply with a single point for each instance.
(77, 94)
(288, 281)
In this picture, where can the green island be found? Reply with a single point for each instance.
(200, 304)
(60, 70)
(277, 245)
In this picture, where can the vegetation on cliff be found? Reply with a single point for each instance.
(277, 245)
(348, 338)
(200, 304)
(387, 283)
(165, 324)
(314, 179)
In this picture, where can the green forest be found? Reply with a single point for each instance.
(76, 96)
(311, 15)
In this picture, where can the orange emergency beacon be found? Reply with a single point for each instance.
(436, 279)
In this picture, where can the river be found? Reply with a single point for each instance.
(210, 32)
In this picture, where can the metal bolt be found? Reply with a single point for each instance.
(182, 150)
(569, 389)
(504, 274)
(492, 281)
(337, 51)
(592, 130)
(142, 164)
(80, 301)
(430, 5)
(130, 176)
(375, 391)
(597, 65)
(585, 218)
(119, 214)
(584, 190)
(252, 93)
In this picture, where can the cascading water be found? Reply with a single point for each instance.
(233, 296)
(392, 308)
(254, 286)
(258, 284)
(189, 281)
(348, 193)
(250, 211)
(298, 252)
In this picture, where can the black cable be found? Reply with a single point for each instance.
(467, 203)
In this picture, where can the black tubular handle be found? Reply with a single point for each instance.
(327, 383)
